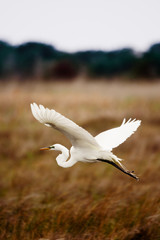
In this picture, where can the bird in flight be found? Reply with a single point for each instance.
(85, 147)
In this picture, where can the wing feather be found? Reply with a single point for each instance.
(78, 136)
(114, 137)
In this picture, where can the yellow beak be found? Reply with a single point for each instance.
(45, 148)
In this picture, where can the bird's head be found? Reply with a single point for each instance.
(48, 148)
(52, 147)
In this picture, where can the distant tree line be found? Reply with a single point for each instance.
(38, 60)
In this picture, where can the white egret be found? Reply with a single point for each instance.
(85, 147)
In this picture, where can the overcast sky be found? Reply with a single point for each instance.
(73, 25)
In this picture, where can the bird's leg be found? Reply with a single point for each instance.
(124, 170)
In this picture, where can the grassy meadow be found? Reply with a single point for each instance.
(40, 200)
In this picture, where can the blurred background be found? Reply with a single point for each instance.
(96, 62)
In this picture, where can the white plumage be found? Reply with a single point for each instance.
(114, 137)
(85, 147)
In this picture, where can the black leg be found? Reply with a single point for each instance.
(131, 174)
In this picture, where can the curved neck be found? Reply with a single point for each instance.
(62, 158)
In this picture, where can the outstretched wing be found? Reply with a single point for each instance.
(114, 137)
(78, 136)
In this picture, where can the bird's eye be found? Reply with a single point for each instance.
(52, 147)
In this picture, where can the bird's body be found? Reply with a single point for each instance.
(85, 147)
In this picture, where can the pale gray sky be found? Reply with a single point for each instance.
(73, 25)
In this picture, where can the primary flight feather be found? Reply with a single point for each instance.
(85, 147)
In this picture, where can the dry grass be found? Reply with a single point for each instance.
(40, 200)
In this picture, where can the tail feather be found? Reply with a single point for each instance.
(114, 158)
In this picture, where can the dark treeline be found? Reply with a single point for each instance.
(38, 60)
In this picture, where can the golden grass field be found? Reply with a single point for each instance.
(40, 200)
